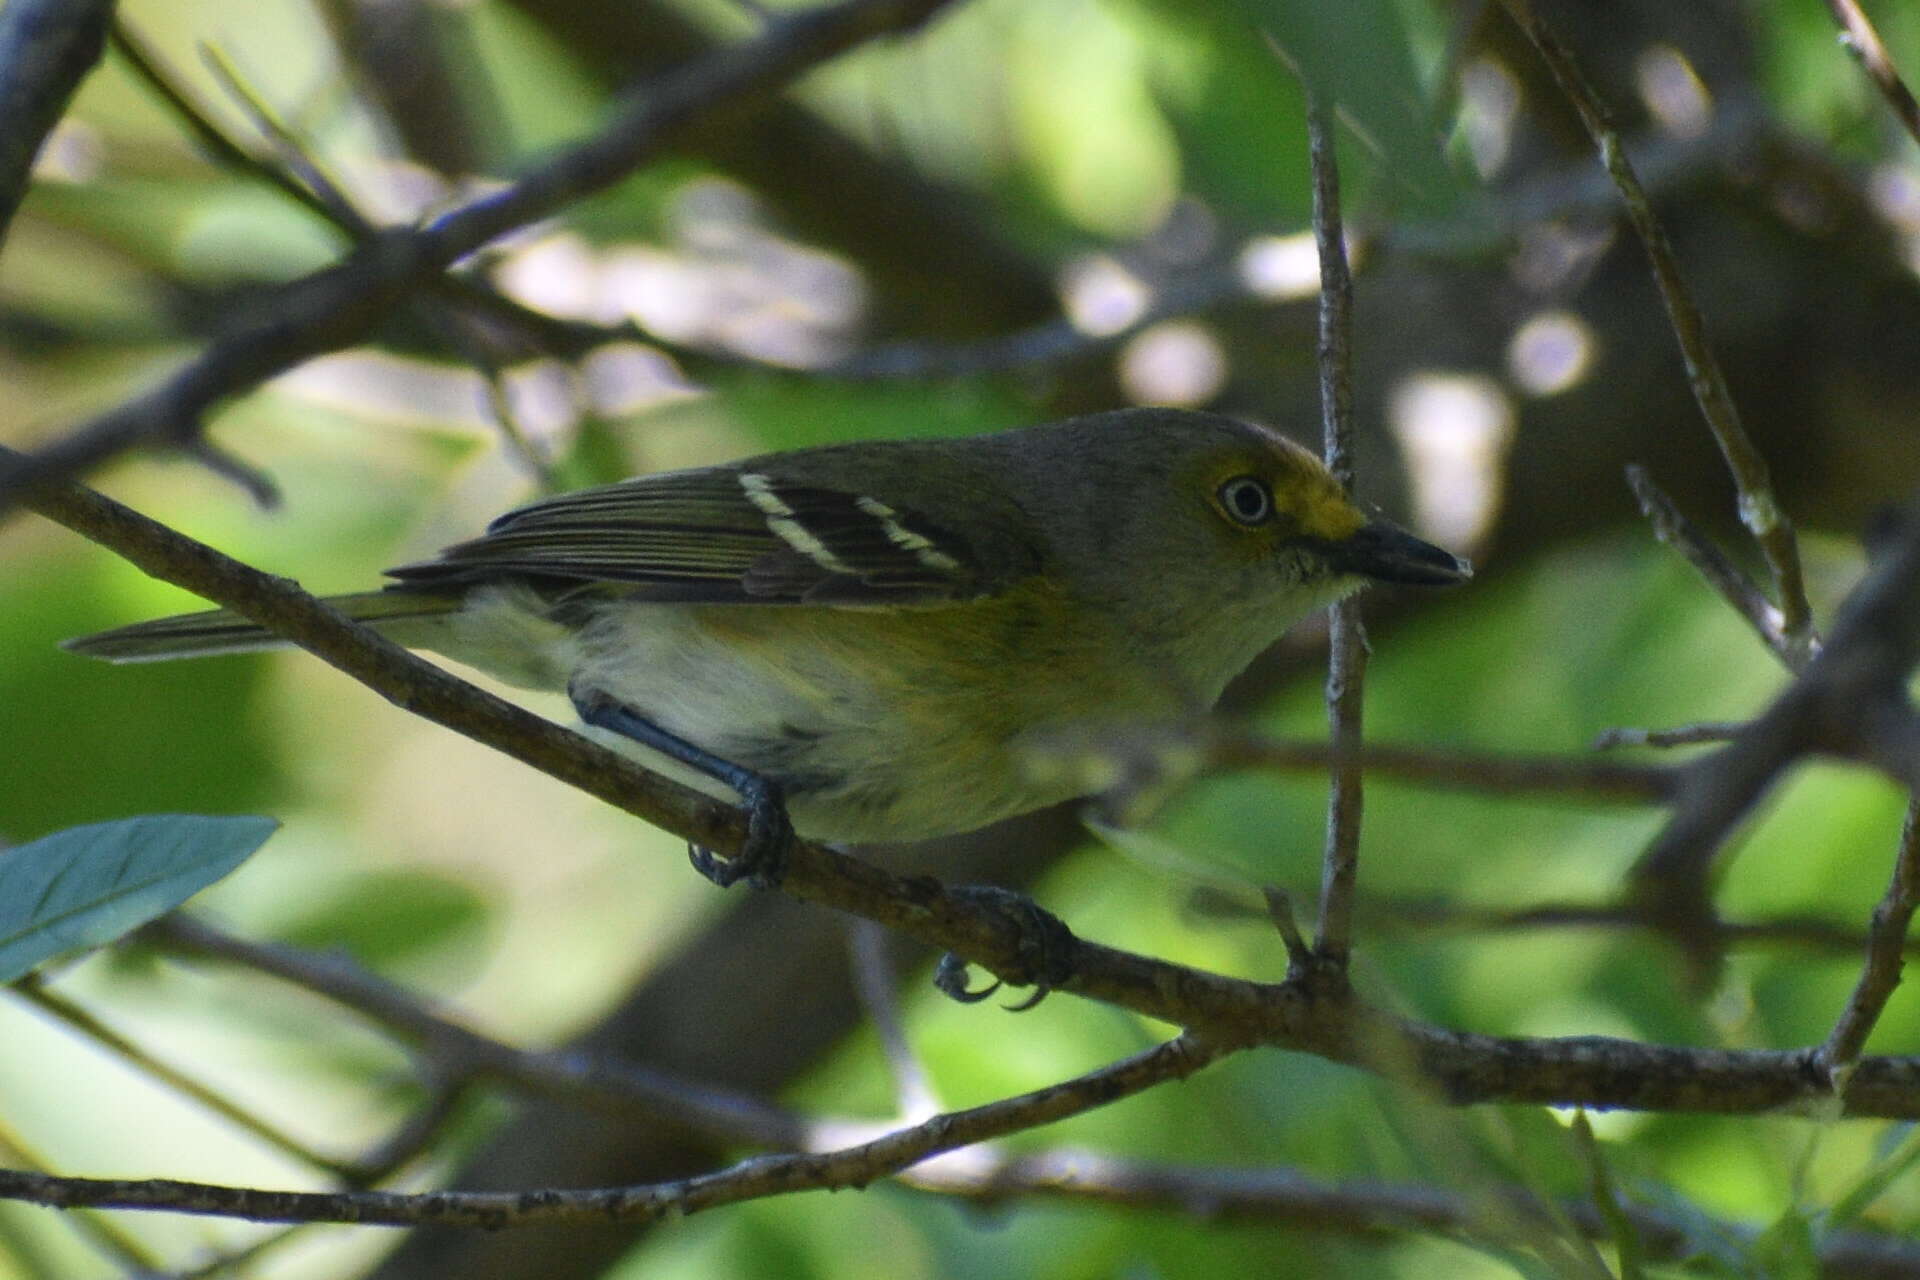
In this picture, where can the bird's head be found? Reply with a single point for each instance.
(1209, 537)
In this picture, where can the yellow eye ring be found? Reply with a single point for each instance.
(1247, 500)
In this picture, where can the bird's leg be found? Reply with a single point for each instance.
(762, 858)
(1043, 942)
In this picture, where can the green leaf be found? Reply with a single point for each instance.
(386, 919)
(86, 886)
(1359, 56)
(1901, 1155)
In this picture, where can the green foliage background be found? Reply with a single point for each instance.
(447, 867)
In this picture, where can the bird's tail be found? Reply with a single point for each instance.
(401, 615)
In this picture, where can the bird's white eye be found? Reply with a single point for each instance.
(1247, 499)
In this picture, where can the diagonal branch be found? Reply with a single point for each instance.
(339, 305)
(1460, 1066)
(1886, 953)
(1863, 42)
(1359, 1207)
(47, 47)
(1711, 563)
(1758, 510)
(455, 1052)
(751, 1179)
(1850, 701)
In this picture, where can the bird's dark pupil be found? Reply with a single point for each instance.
(1247, 499)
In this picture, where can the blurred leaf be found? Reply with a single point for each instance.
(1096, 140)
(1709, 1247)
(1787, 1248)
(89, 885)
(385, 919)
(792, 413)
(1359, 56)
(1903, 1156)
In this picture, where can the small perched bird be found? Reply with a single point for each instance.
(867, 639)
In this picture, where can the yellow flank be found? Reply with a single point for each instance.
(996, 665)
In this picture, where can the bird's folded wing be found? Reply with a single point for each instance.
(722, 535)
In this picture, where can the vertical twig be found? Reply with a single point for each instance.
(874, 980)
(1863, 42)
(1759, 512)
(1886, 948)
(1347, 638)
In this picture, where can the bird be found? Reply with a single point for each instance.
(862, 642)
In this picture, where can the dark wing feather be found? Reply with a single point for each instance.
(719, 535)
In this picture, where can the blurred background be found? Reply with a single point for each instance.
(1029, 209)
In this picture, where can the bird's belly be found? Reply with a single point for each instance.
(869, 740)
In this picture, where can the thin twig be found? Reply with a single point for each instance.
(1402, 914)
(1886, 953)
(465, 337)
(751, 1179)
(456, 1052)
(1280, 916)
(78, 1019)
(101, 1230)
(1759, 511)
(317, 192)
(1359, 1207)
(875, 980)
(1863, 42)
(1346, 635)
(1462, 1067)
(173, 89)
(1726, 578)
(1505, 773)
(297, 157)
(339, 305)
(1850, 701)
(1684, 735)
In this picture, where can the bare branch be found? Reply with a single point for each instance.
(1402, 914)
(79, 1020)
(1685, 735)
(47, 47)
(1591, 1071)
(147, 63)
(1351, 1206)
(1725, 577)
(595, 1081)
(1456, 769)
(1758, 510)
(1850, 701)
(1863, 42)
(752, 1179)
(1346, 635)
(1886, 952)
(339, 305)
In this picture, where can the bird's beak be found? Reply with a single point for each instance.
(1388, 553)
